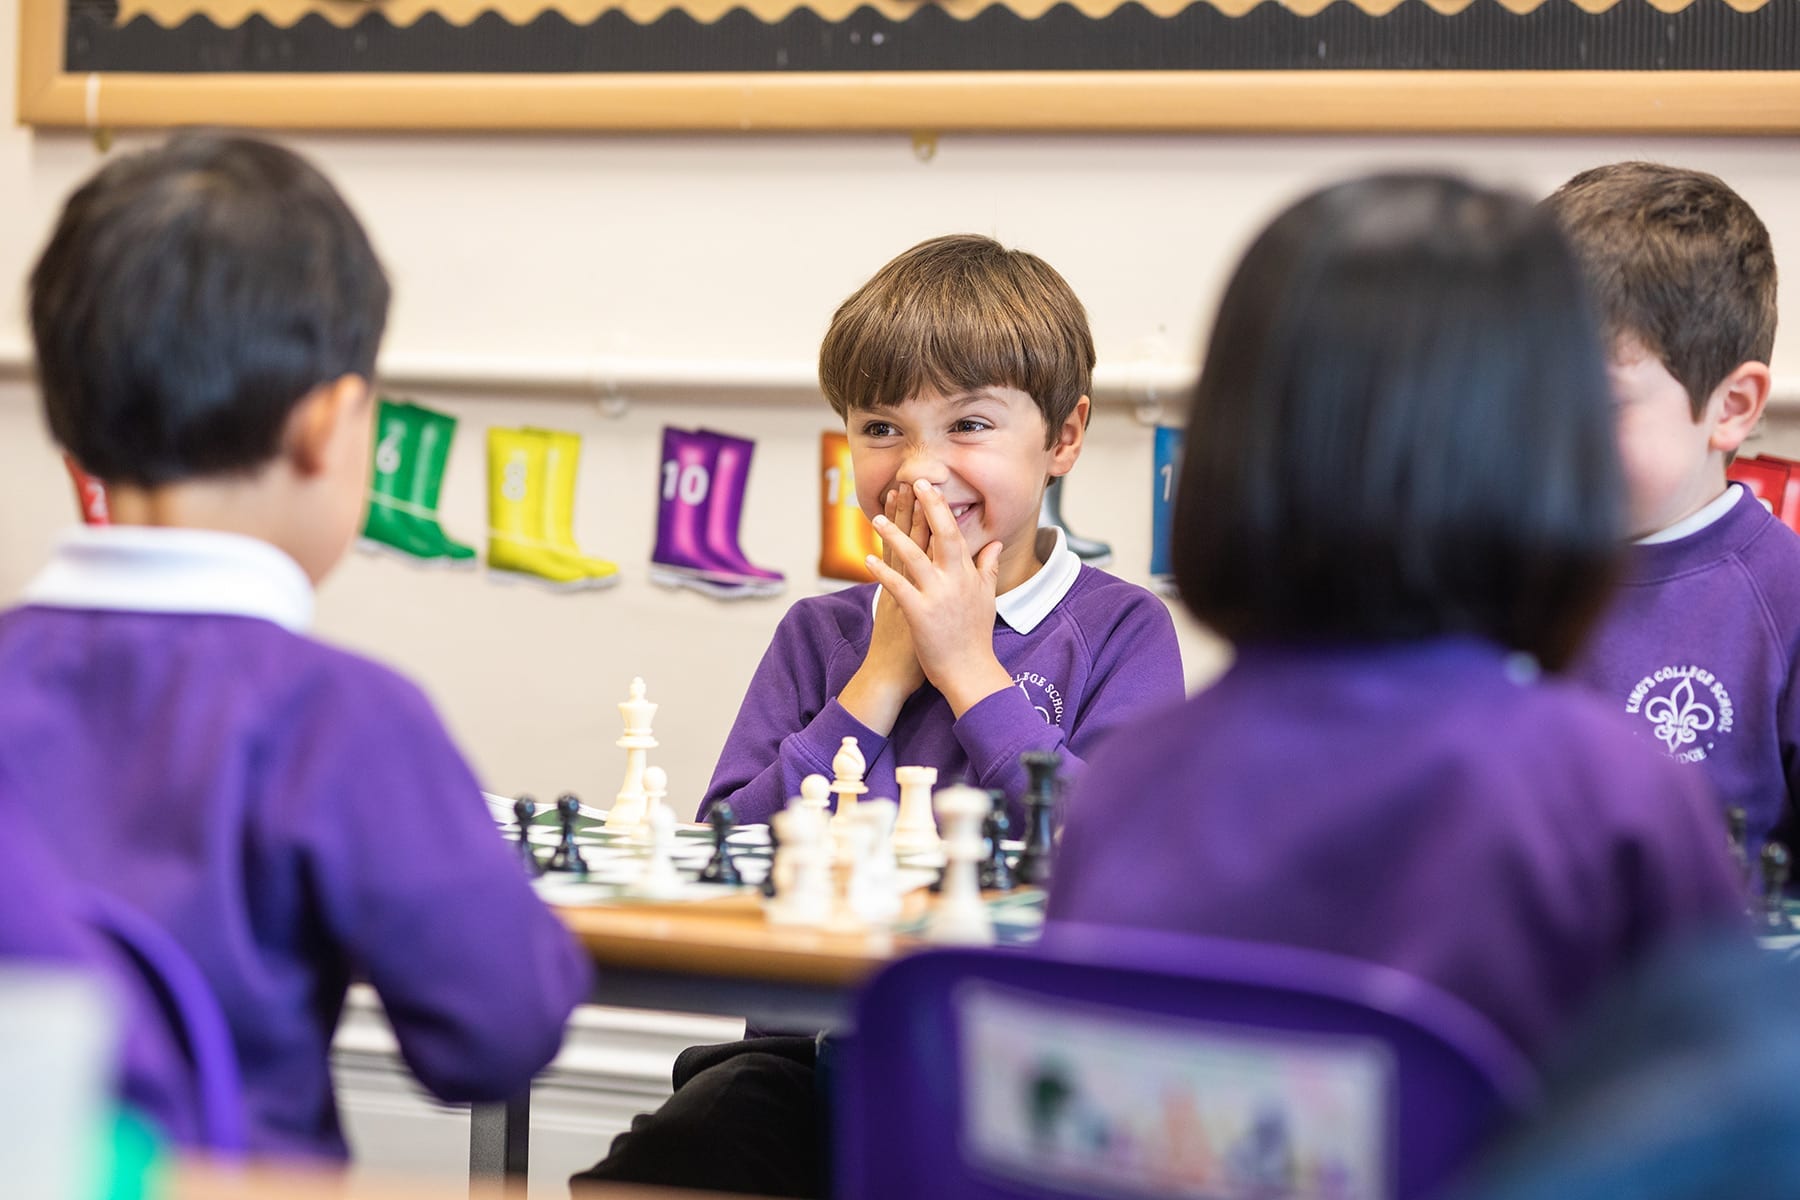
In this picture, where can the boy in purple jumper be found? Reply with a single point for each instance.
(1404, 502)
(206, 318)
(962, 372)
(1700, 648)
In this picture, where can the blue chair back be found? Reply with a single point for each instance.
(1124, 1063)
(192, 1013)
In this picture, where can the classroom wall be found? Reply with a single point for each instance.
(718, 261)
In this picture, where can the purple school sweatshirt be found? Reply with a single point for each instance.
(1088, 652)
(45, 922)
(1431, 807)
(1700, 652)
(293, 814)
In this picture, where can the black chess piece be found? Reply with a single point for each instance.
(997, 872)
(524, 809)
(1774, 880)
(1040, 810)
(567, 855)
(720, 868)
(1737, 842)
(768, 883)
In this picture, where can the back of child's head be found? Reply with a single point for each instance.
(1402, 428)
(1678, 261)
(189, 298)
(957, 314)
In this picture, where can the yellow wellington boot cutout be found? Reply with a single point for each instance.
(516, 503)
(562, 465)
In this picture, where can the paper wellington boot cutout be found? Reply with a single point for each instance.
(1095, 554)
(846, 538)
(686, 492)
(1169, 442)
(90, 494)
(517, 500)
(412, 448)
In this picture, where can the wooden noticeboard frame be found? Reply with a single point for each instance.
(1556, 101)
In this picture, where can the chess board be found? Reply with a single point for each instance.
(1780, 932)
(615, 860)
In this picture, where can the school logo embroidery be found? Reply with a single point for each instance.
(1683, 706)
(1045, 696)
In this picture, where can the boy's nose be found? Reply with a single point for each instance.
(922, 463)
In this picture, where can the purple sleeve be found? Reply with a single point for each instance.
(40, 923)
(788, 727)
(477, 976)
(1136, 670)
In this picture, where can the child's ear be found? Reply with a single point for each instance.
(319, 428)
(1737, 404)
(1065, 447)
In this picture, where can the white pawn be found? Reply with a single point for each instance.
(802, 869)
(916, 831)
(659, 880)
(848, 766)
(656, 792)
(815, 793)
(960, 918)
(873, 891)
(628, 806)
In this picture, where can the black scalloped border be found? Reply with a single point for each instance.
(1709, 35)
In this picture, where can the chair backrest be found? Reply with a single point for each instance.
(192, 1012)
(1123, 1063)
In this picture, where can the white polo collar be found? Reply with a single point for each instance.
(1025, 607)
(1695, 522)
(141, 568)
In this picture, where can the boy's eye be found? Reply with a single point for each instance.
(877, 429)
(970, 425)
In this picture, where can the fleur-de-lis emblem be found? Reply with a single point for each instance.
(1679, 718)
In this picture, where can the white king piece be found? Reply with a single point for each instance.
(628, 807)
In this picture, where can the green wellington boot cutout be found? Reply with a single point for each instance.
(517, 490)
(562, 464)
(391, 524)
(435, 431)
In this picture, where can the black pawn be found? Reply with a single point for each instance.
(720, 868)
(1737, 842)
(768, 883)
(1040, 816)
(997, 872)
(567, 855)
(524, 809)
(1774, 879)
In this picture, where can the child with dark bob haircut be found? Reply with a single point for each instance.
(1700, 651)
(206, 316)
(1399, 500)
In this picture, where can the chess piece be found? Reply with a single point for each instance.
(960, 917)
(1737, 842)
(768, 883)
(802, 870)
(659, 879)
(873, 891)
(915, 831)
(996, 871)
(721, 868)
(567, 855)
(1040, 807)
(628, 807)
(1774, 880)
(1094, 553)
(815, 793)
(848, 766)
(524, 810)
(656, 793)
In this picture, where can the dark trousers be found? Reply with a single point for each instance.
(747, 1117)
